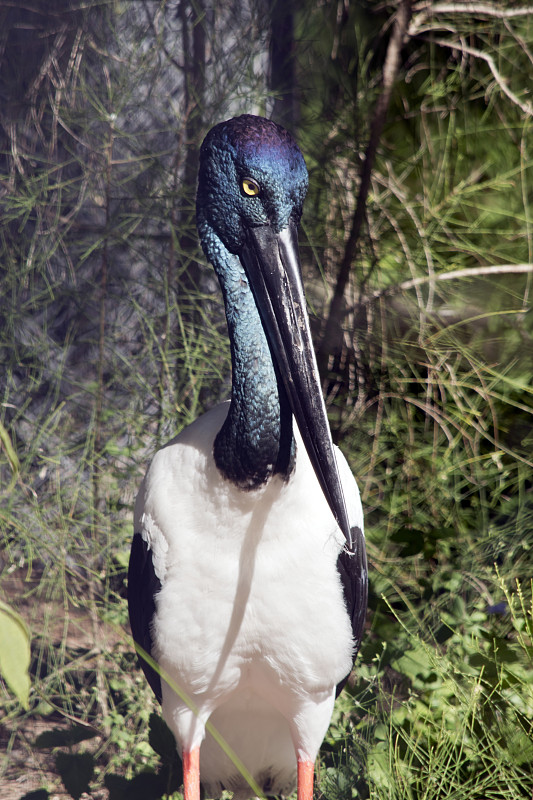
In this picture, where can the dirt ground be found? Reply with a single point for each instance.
(23, 767)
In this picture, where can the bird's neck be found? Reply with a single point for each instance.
(256, 440)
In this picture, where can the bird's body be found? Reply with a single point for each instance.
(221, 621)
(240, 585)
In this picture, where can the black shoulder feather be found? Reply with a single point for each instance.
(353, 571)
(143, 585)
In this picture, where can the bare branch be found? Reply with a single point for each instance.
(390, 70)
(426, 20)
(428, 10)
(495, 269)
(527, 108)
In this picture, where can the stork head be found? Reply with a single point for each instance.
(252, 173)
(251, 186)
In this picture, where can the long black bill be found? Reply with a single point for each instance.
(273, 267)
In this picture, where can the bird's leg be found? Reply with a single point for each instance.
(191, 774)
(306, 770)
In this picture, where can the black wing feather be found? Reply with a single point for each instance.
(353, 571)
(143, 585)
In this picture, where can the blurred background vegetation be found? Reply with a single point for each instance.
(417, 244)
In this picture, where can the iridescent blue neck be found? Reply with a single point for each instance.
(256, 440)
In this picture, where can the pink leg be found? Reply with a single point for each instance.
(191, 774)
(306, 770)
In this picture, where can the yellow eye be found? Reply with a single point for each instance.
(249, 187)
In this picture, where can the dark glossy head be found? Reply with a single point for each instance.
(251, 173)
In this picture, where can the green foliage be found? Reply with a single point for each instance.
(438, 716)
(15, 653)
(76, 769)
(112, 339)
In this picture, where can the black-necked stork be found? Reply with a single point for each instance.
(247, 577)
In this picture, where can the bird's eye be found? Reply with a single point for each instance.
(249, 187)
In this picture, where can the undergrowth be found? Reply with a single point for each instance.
(112, 339)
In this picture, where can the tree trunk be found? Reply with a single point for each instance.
(282, 68)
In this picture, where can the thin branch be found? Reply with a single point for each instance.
(428, 10)
(527, 108)
(390, 70)
(495, 269)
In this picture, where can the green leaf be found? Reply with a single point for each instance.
(76, 771)
(414, 663)
(12, 457)
(15, 653)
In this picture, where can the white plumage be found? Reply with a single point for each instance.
(258, 642)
